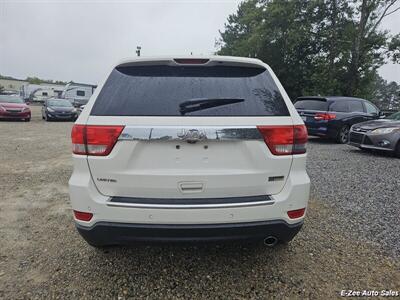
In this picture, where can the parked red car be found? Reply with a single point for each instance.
(14, 108)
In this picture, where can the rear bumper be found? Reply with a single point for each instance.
(321, 129)
(108, 233)
(119, 221)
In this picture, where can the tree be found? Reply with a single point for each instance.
(34, 80)
(280, 33)
(1, 88)
(315, 47)
(366, 56)
(386, 94)
(394, 49)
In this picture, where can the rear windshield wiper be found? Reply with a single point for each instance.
(204, 103)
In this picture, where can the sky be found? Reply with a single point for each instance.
(81, 40)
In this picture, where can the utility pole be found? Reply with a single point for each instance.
(138, 48)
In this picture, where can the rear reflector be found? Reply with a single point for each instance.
(94, 139)
(83, 216)
(191, 61)
(285, 140)
(294, 214)
(324, 116)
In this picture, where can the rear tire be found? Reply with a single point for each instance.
(397, 151)
(343, 135)
(27, 120)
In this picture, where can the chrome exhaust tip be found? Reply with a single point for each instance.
(270, 241)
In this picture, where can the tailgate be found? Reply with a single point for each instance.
(190, 130)
(190, 161)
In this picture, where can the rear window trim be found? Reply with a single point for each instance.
(282, 112)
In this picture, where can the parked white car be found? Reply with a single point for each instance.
(189, 149)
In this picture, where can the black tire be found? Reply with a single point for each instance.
(397, 151)
(343, 135)
(46, 118)
(27, 120)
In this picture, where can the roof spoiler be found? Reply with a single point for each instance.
(192, 61)
(318, 98)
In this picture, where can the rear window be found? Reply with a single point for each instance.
(356, 106)
(311, 105)
(189, 91)
(340, 106)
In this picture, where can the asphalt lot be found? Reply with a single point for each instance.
(350, 239)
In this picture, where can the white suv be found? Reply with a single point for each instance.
(185, 149)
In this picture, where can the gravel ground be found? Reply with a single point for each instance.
(350, 239)
(364, 187)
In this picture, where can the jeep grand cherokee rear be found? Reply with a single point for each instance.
(189, 150)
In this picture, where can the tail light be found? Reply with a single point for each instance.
(94, 140)
(324, 116)
(297, 213)
(285, 140)
(83, 216)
